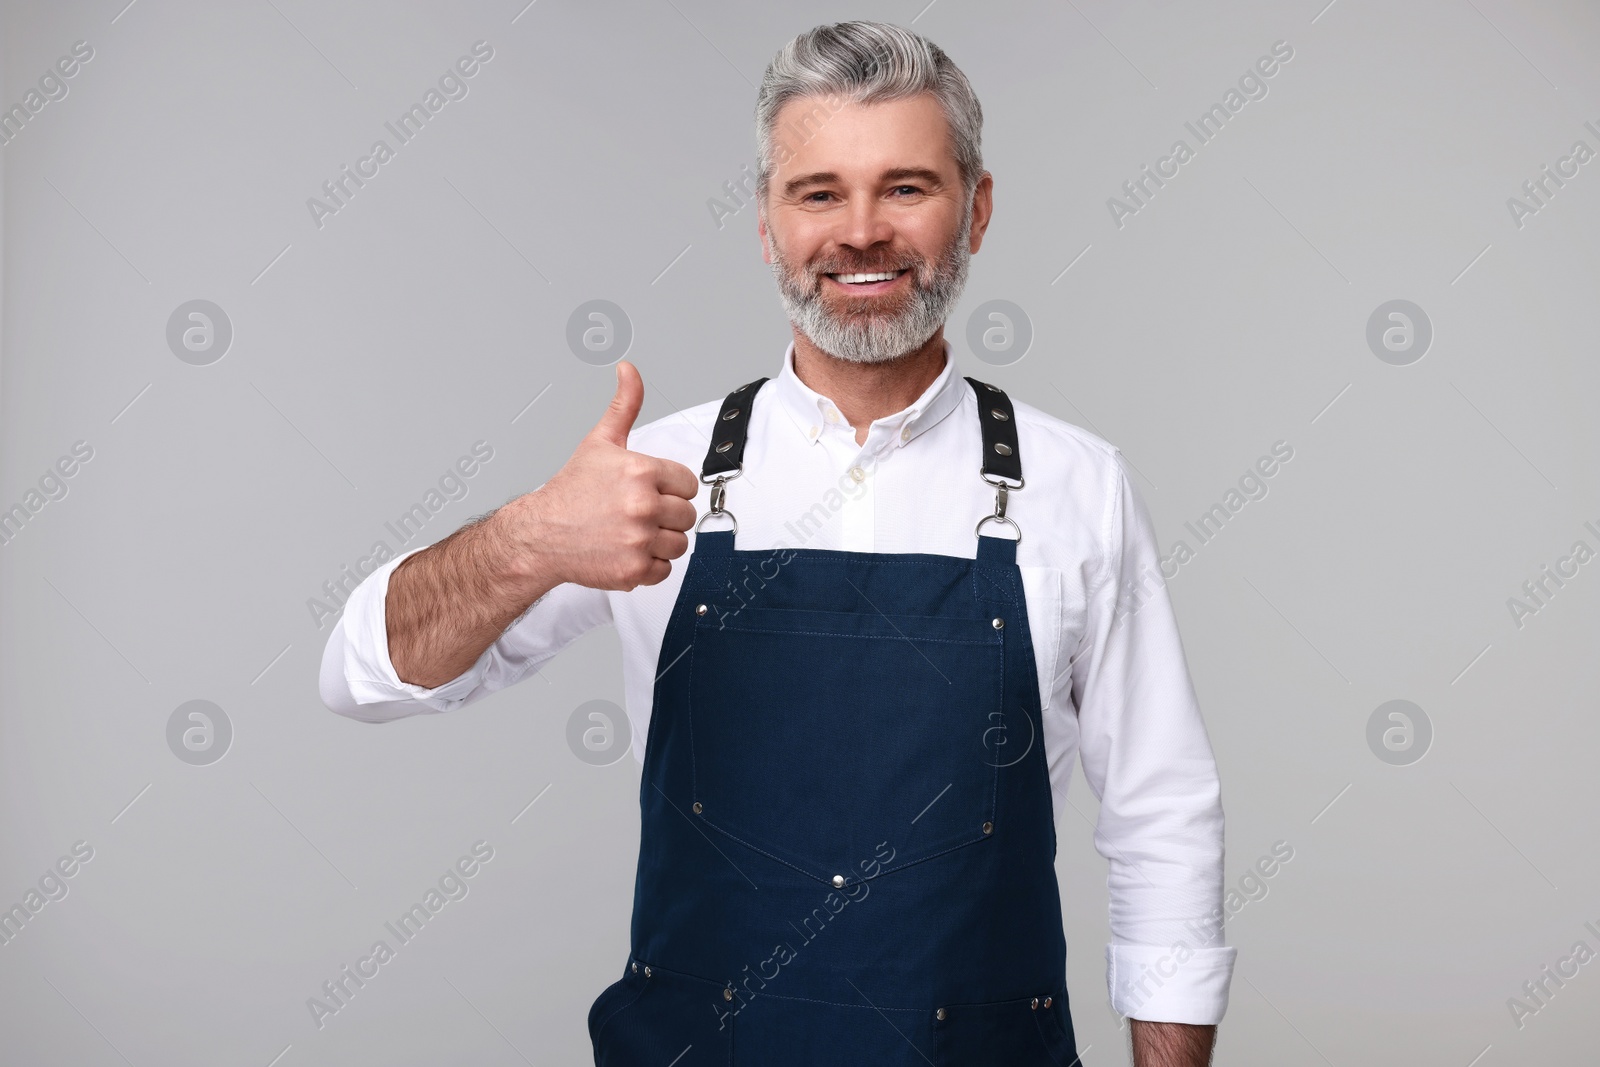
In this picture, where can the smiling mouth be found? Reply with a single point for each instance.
(868, 281)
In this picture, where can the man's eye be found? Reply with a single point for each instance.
(913, 188)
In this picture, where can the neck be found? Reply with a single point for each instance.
(864, 392)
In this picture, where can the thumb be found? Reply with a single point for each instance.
(624, 407)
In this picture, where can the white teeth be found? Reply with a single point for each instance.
(883, 276)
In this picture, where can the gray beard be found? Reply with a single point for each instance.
(877, 337)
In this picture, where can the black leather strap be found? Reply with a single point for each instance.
(1001, 458)
(728, 434)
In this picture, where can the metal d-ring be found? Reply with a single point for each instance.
(729, 514)
(717, 495)
(1002, 491)
(999, 518)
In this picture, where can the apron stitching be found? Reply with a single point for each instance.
(882, 870)
(870, 637)
(994, 799)
(694, 768)
(1007, 592)
(839, 1003)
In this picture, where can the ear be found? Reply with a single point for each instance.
(982, 210)
(766, 246)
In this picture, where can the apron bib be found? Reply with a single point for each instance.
(847, 847)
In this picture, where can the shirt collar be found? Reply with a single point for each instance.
(809, 410)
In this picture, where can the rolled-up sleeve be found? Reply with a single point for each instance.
(1147, 758)
(358, 680)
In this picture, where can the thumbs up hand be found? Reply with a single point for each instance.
(611, 518)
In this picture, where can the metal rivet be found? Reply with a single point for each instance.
(699, 609)
(635, 968)
(988, 827)
(733, 413)
(698, 808)
(1035, 1003)
(727, 994)
(1047, 1001)
(999, 623)
(647, 972)
(838, 881)
(724, 446)
(999, 446)
(997, 413)
(940, 1014)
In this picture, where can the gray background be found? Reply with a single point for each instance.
(369, 354)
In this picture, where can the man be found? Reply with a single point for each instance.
(856, 727)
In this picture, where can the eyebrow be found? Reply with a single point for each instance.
(828, 177)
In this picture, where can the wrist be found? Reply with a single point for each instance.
(521, 552)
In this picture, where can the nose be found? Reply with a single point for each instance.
(865, 224)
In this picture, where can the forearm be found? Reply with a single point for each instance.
(1171, 1044)
(449, 602)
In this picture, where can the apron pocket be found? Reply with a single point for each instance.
(1011, 1032)
(613, 999)
(781, 1032)
(660, 1020)
(846, 744)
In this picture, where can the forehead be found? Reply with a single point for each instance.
(820, 133)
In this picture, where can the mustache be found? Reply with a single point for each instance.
(870, 269)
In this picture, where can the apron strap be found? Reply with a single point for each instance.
(996, 418)
(726, 454)
(1001, 459)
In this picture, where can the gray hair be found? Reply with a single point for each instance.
(868, 63)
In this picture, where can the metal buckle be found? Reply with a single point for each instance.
(1002, 493)
(718, 495)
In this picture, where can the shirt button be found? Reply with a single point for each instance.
(905, 434)
(832, 415)
(814, 430)
(858, 474)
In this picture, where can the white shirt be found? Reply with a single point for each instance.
(1113, 679)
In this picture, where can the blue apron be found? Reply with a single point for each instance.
(847, 849)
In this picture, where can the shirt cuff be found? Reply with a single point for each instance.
(1177, 984)
(368, 670)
